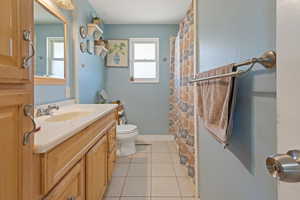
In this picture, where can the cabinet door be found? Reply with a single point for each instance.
(16, 17)
(15, 173)
(71, 187)
(112, 141)
(112, 157)
(96, 170)
(112, 138)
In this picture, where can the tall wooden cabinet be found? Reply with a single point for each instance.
(16, 29)
(16, 91)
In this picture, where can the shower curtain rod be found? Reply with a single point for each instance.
(268, 60)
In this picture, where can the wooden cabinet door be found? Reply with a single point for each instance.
(112, 138)
(71, 187)
(112, 153)
(16, 158)
(16, 17)
(112, 158)
(96, 170)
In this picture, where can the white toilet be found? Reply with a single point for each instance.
(126, 136)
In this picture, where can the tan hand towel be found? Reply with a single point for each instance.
(216, 99)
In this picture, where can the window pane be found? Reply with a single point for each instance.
(144, 70)
(57, 69)
(58, 50)
(144, 51)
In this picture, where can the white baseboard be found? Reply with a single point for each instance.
(145, 139)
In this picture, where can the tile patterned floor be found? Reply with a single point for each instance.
(153, 173)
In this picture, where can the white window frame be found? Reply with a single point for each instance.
(132, 60)
(50, 53)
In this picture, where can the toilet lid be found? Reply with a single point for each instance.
(126, 128)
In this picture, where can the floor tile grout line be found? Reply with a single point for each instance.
(177, 181)
(125, 179)
(172, 164)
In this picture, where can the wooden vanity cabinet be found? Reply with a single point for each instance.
(81, 167)
(58, 161)
(96, 170)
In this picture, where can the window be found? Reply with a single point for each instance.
(56, 55)
(144, 60)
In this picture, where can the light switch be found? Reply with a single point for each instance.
(68, 92)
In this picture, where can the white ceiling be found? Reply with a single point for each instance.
(42, 16)
(141, 11)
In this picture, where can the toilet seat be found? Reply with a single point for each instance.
(126, 129)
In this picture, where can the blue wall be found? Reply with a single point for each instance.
(88, 69)
(232, 31)
(146, 104)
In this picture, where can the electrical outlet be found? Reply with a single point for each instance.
(68, 92)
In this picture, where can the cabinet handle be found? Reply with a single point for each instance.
(72, 198)
(28, 109)
(27, 37)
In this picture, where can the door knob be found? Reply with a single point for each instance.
(285, 167)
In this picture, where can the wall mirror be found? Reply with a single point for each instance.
(50, 44)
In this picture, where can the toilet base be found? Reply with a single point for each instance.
(126, 148)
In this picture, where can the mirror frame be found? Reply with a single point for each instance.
(40, 80)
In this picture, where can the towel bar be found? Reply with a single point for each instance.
(268, 60)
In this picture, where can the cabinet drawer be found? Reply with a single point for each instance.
(57, 162)
(112, 138)
(72, 186)
(112, 158)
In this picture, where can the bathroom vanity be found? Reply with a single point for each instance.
(75, 152)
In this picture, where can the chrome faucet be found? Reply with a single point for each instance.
(46, 111)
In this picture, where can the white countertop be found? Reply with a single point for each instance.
(54, 133)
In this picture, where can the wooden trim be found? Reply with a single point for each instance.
(48, 81)
(196, 62)
(52, 9)
(47, 5)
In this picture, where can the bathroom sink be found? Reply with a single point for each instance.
(67, 116)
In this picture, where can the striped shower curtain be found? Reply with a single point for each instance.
(181, 115)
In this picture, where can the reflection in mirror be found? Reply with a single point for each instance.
(49, 44)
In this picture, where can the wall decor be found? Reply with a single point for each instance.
(96, 20)
(83, 47)
(90, 47)
(65, 4)
(117, 53)
(97, 35)
(83, 31)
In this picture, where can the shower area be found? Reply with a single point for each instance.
(182, 69)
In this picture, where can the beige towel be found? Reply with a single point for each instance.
(216, 99)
